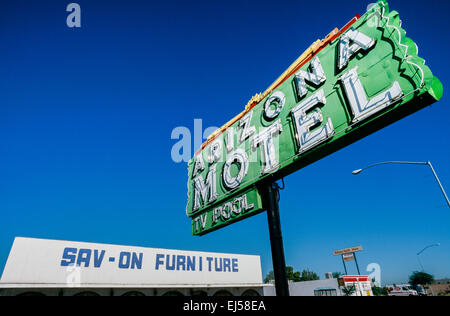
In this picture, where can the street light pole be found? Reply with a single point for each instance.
(420, 261)
(428, 163)
(439, 182)
(420, 252)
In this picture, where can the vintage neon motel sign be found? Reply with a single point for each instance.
(345, 87)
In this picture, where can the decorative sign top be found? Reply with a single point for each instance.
(355, 82)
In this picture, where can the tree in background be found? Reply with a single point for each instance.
(294, 276)
(379, 291)
(269, 277)
(307, 275)
(420, 278)
(337, 275)
(348, 290)
(291, 275)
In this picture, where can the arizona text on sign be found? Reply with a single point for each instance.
(355, 82)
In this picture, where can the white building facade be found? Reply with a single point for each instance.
(65, 268)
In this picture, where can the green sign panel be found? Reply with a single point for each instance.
(351, 84)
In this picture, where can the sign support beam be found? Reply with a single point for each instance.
(356, 261)
(345, 267)
(269, 193)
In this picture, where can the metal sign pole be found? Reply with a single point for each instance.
(356, 261)
(269, 193)
(345, 267)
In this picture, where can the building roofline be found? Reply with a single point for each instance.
(124, 286)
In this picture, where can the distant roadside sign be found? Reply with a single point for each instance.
(348, 256)
(347, 250)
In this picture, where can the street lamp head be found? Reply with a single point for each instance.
(356, 172)
(438, 244)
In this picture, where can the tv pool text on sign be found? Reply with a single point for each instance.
(363, 80)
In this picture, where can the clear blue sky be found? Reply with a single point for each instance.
(86, 117)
